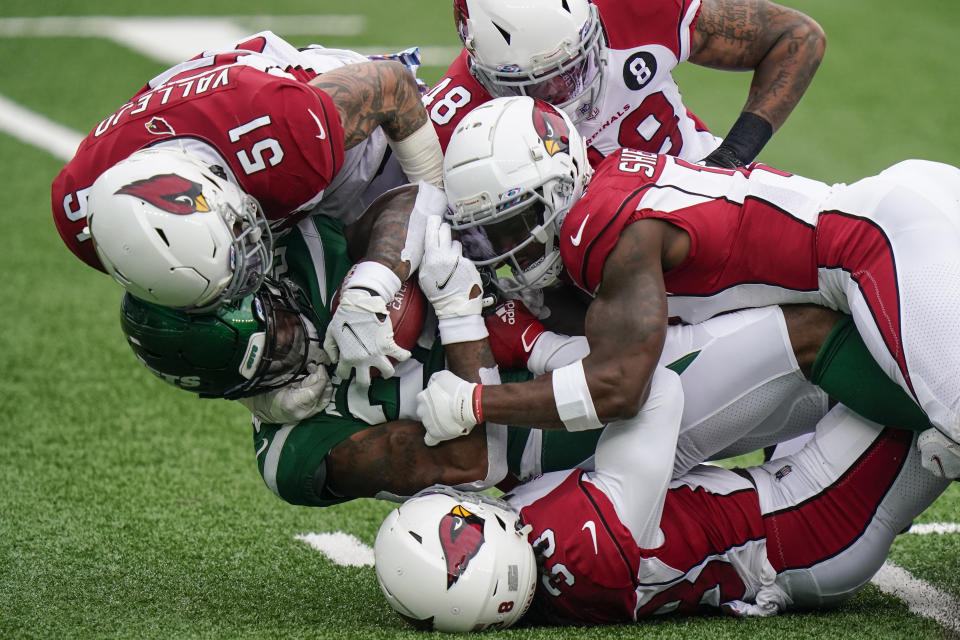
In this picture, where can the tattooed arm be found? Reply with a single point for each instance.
(782, 46)
(381, 232)
(368, 95)
(384, 94)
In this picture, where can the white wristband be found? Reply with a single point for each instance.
(572, 396)
(420, 155)
(461, 329)
(376, 277)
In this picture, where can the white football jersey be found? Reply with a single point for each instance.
(641, 106)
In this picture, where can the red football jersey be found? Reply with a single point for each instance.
(595, 573)
(281, 139)
(752, 225)
(641, 106)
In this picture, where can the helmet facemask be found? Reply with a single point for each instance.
(518, 241)
(288, 342)
(568, 76)
(264, 341)
(513, 169)
(250, 251)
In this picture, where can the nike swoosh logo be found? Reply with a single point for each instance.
(441, 285)
(348, 328)
(592, 528)
(323, 134)
(263, 447)
(577, 238)
(523, 340)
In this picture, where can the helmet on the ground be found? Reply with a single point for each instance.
(513, 169)
(175, 231)
(240, 349)
(552, 50)
(453, 561)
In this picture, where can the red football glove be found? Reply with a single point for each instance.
(513, 332)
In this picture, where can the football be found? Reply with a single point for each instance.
(407, 310)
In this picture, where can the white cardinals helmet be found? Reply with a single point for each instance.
(453, 561)
(513, 169)
(175, 232)
(552, 50)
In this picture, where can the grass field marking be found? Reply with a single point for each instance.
(172, 39)
(934, 527)
(920, 597)
(342, 548)
(36, 130)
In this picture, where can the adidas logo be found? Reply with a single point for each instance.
(506, 313)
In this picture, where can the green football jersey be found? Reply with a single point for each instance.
(291, 457)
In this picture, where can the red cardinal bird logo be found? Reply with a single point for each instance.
(169, 192)
(552, 128)
(461, 536)
(159, 127)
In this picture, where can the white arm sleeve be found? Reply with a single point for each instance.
(553, 350)
(420, 155)
(634, 459)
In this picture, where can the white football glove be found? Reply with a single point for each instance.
(445, 408)
(294, 402)
(360, 335)
(447, 278)
(452, 285)
(939, 454)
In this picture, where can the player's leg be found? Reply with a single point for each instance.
(832, 509)
(743, 385)
(897, 238)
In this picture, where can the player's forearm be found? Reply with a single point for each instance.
(783, 75)
(466, 359)
(523, 404)
(374, 94)
(608, 390)
(388, 232)
(783, 47)
(392, 457)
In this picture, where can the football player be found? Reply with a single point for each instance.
(623, 543)
(182, 186)
(747, 385)
(608, 64)
(882, 250)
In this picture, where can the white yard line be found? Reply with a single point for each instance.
(34, 129)
(920, 597)
(342, 548)
(172, 39)
(168, 40)
(935, 527)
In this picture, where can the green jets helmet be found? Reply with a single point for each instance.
(242, 349)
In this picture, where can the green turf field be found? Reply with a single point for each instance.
(132, 510)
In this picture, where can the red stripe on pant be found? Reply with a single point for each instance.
(860, 247)
(832, 520)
